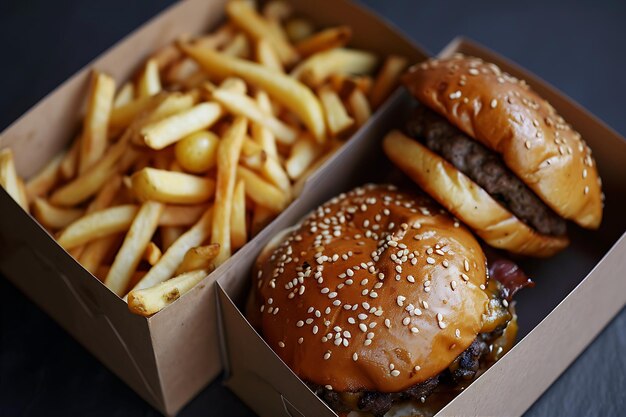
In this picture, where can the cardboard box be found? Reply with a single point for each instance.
(172, 355)
(577, 291)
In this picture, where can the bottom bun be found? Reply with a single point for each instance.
(467, 201)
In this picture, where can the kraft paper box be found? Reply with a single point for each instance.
(577, 291)
(169, 357)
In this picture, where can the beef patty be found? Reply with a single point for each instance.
(486, 169)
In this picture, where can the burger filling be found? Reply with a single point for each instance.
(486, 169)
(497, 336)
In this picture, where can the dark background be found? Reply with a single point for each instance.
(577, 46)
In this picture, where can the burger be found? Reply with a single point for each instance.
(497, 156)
(380, 300)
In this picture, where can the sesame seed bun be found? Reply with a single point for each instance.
(532, 139)
(468, 201)
(376, 290)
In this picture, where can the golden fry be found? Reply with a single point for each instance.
(359, 107)
(181, 215)
(125, 95)
(171, 129)
(149, 301)
(171, 187)
(302, 155)
(337, 117)
(137, 239)
(149, 82)
(9, 179)
(387, 79)
(200, 257)
(197, 152)
(227, 157)
(238, 47)
(173, 256)
(97, 251)
(46, 179)
(262, 192)
(324, 40)
(238, 229)
(284, 89)
(246, 18)
(266, 56)
(98, 224)
(317, 68)
(53, 217)
(152, 254)
(260, 133)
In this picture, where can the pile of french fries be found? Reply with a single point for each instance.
(178, 168)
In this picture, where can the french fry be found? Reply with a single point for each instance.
(248, 20)
(387, 79)
(152, 254)
(266, 56)
(166, 56)
(105, 196)
(260, 133)
(171, 129)
(344, 84)
(318, 67)
(242, 105)
(277, 10)
(97, 251)
(93, 140)
(97, 224)
(359, 107)
(197, 152)
(171, 187)
(53, 217)
(149, 301)
(262, 192)
(181, 215)
(298, 29)
(261, 217)
(125, 95)
(103, 270)
(284, 89)
(149, 82)
(238, 229)
(42, 183)
(324, 40)
(337, 117)
(227, 157)
(9, 179)
(173, 256)
(200, 257)
(137, 239)
(268, 166)
(302, 155)
(21, 188)
(122, 116)
(88, 183)
(217, 39)
(238, 47)
(298, 185)
(180, 71)
(170, 234)
(69, 164)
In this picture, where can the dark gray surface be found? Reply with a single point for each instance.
(577, 47)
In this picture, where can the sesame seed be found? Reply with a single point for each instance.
(442, 325)
(362, 316)
(327, 355)
(466, 265)
(453, 285)
(473, 71)
(367, 342)
(395, 372)
(457, 333)
(388, 323)
(527, 144)
(370, 335)
(325, 290)
(300, 323)
(481, 286)
(328, 387)
(505, 303)
(363, 327)
(425, 305)
(300, 340)
(338, 341)
(400, 300)
(406, 321)
(414, 330)
(465, 277)
(417, 368)
(332, 295)
(281, 344)
(355, 356)
(586, 191)
(315, 329)
(350, 272)
(494, 103)
(430, 260)
(439, 317)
